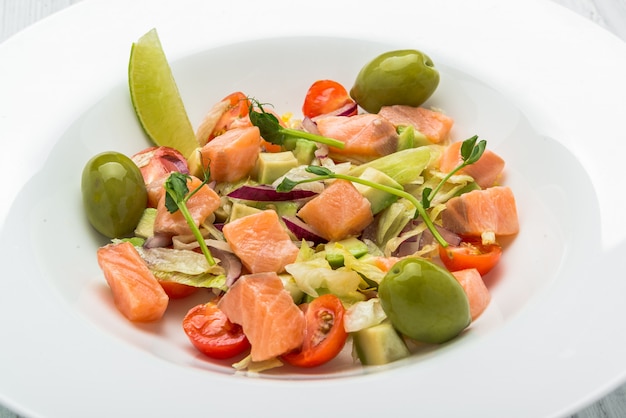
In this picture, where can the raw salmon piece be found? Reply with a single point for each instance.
(434, 125)
(232, 155)
(202, 204)
(261, 242)
(479, 211)
(485, 171)
(338, 212)
(136, 292)
(385, 263)
(367, 136)
(475, 289)
(270, 319)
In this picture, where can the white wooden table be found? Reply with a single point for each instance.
(610, 14)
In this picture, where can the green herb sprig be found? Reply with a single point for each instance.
(176, 199)
(273, 132)
(324, 173)
(470, 153)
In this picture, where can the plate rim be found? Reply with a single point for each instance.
(29, 38)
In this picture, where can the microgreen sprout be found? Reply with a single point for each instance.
(176, 199)
(272, 131)
(324, 173)
(470, 153)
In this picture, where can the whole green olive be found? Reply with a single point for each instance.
(114, 194)
(424, 301)
(403, 77)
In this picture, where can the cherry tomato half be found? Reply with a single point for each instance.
(325, 96)
(324, 335)
(470, 255)
(177, 290)
(210, 331)
(235, 115)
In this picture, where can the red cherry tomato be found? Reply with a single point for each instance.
(324, 335)
(325, 96)
(210, 331)
(470, 255)
(235, 115)
(177, 290)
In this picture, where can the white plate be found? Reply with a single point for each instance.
(519, 75)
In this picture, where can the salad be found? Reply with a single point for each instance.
(360, 222)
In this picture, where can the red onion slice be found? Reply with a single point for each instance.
(229, 261)
(309, 126)
(158, 241)
(349, 109)
(266, 193)
(301, 230)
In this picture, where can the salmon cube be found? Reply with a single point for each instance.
(232, 156)
(491, 210)
(136, 292)
(261, 242)
(366, 136)
(485, 171)
(202, 204)
(272, 322)
(432, 124)
(338, 212)
(477, 293)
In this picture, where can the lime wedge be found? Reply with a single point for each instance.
(155, 96)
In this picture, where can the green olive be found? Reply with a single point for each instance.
(424, 301)
(114, 194)
(403, 77)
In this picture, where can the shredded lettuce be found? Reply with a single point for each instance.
(363, 267)
(312, 272)
(204, 280)
(393, 220)
(363, 315)
(182, 261)
(246, 364)
(404, 166)
(453, 185)
(184, 267)
(317, 273)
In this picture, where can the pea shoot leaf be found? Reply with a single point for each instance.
(324, 173)
(176, 187)
(272, 131)
(268, 125)
(318, 170)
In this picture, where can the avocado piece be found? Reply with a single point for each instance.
(379, 344)
(304, 151)
(409, 137)
(378, 199)
(287, 208)
(334, 250)
(347, 299)
(239, 210)
(145, 226)
(272, 165)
